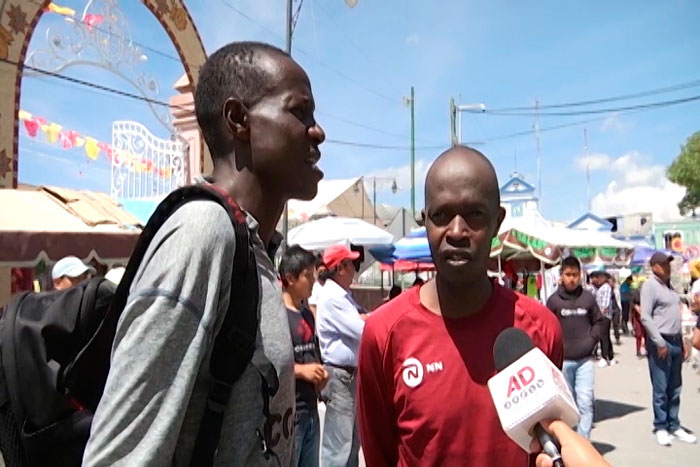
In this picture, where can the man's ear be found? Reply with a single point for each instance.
(236, 118)
(499, 221)
(422, 215)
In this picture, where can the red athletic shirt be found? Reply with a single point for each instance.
(422, 394)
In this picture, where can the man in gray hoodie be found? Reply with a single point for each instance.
(256, 110)
(580, 320)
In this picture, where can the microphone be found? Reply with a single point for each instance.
(528, 388)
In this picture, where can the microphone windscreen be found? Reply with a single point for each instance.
(510, 345)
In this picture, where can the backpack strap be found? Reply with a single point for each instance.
(234, 345)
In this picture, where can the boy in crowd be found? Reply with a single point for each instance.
(297, 274)
(580, 320)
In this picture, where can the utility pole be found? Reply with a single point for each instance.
(413, 155)
(288, 48)
(453, 122)
(588, 169)
(537, 138)
(456, 118)
(374, 200)
(409, 101)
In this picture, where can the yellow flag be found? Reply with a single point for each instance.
(91, 148)
(52, 130)
(61, 10)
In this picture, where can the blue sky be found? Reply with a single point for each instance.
(362, 61)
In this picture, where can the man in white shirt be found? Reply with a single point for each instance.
(318, 284)
(339, 327)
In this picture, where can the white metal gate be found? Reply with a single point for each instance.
(143, 165)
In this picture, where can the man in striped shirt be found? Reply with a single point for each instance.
(603, 296)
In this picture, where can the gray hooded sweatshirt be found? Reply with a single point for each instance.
(157, 387)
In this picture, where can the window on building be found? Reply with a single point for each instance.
(673, 240)
(517, 210)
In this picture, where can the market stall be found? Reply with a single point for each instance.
(50, 223)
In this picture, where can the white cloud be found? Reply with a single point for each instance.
(613, 122)
(661, 200)
(597, 161)
(413, 39)
(637, 186)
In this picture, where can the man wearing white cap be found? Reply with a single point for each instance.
(70, 271)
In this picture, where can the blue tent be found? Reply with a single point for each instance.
(643, 253)
(413, 247)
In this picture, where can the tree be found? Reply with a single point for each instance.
(685, 171)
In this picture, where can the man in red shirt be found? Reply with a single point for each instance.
(426, 356)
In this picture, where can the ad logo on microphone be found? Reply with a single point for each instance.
(412, 372)
(521, 385)
(521, 379)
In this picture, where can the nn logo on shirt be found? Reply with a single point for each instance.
(413, 371)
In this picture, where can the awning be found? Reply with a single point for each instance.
(322, 233)
(50, 223)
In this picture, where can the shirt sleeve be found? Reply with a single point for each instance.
(603, 298)
(375, 409)
(176, 303)
(345, 317)
(556, 353)
(647, 304)
(596, 318)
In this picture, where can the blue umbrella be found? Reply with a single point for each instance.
(413, 247)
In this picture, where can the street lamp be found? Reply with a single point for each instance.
(394, 189)
(456, 118)
(290, 23)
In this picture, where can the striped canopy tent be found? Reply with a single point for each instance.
(525, 242)
(551, 244)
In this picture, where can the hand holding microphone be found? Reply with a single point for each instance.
(530, 389)
(576, 451)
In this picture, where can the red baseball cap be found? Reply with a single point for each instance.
(336, 254)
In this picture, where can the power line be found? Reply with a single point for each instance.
(312, 57)
(546, 129)
(92, 85)
(349, 39)
(123, 39)
(129, 95)
(384, 146)
(650, 92)
(363, 126)
(650, 105)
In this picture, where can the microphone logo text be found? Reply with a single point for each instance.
(522, 384)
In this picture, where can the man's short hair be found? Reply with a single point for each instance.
(232, 71)
(294, 261)
(570, 262)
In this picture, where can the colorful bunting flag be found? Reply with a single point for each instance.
(69, 139)
(60, 10)
(92, 150)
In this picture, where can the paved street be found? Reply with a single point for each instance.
(622, 430)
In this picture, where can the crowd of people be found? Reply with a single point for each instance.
(382, 376)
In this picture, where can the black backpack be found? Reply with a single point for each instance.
(55, 350)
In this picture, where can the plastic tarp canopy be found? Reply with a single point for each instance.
(322, 233)
(50, 223)
(550, 244)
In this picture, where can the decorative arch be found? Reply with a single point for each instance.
(18, 19)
